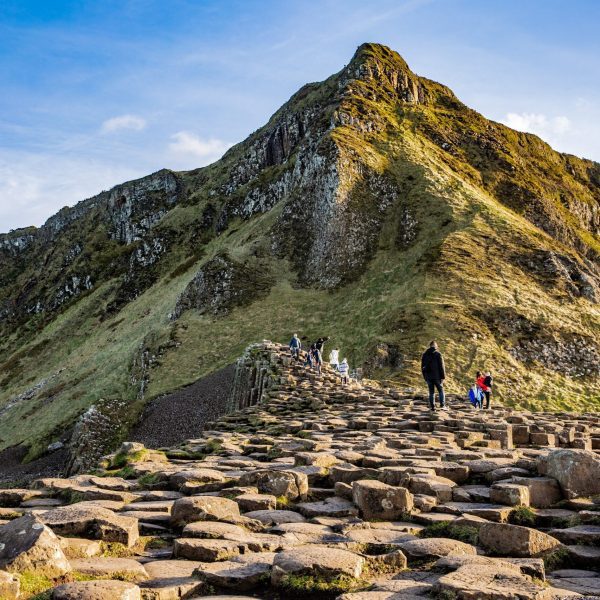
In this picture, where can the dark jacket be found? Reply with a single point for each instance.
(432, 365)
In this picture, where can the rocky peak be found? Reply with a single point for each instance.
(381, 75)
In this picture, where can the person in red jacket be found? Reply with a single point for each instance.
(484, 383)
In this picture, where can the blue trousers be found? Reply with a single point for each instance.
(433, 385)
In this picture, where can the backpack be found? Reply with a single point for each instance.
(488, 381)
(474, 396)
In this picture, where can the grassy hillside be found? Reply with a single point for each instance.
(442, 225)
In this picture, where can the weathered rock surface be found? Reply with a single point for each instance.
(26, 544)
(97, 590)
(92, 521)
(577, 471)
(513, 540)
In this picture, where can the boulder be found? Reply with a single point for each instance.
(577, 471)
(92, 521)
(515, 540)
(26, 544)
(97, 590)
(203, 508)
(377, 500)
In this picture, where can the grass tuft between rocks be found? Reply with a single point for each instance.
(522, 515)
(445, 529)
(311, 584)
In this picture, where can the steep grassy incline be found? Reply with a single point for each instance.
(373, 207)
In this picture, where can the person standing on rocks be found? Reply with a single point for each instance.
(334, 358)
(309, 357)
(317, 358)
(295, 346)
(485, 384)
(344, 369)
(320, 344)
(434, 373)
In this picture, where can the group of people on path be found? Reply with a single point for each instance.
(314, 357)
(434, 373)
(432, 368)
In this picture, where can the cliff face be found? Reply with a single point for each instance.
(374, 207)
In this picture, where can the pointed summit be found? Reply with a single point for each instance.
(385, 74)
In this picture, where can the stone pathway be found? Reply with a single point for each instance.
(316, 490)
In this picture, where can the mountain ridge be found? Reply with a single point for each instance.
(374, 206)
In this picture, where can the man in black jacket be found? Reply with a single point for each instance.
(434, 373)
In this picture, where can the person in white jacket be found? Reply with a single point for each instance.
(334, 358)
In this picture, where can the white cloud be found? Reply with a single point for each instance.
(131, 122)
(187, 144)
(538, 123)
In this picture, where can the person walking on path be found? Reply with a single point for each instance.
(320, 344)
(434, 373)
(484, 381)
(334, 358)
(317, 358)
(344, 370)
(309, 357)
(295, 346)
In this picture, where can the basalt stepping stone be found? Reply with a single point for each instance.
(92, 521)
(207, 550)
(108, 568)
(171, 579)
(80, 547)
(481, 581)
(320, 561)
(515, 540)
(580, 534)
(154, 506)
(331, 507)
(212, 530)
(250, 502)
(427, 549)
(147, 516)
(203, 508)
(15, 497)
(243, 574)
(97, 590)
(378, 537)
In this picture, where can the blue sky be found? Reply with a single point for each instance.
(95, 93)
